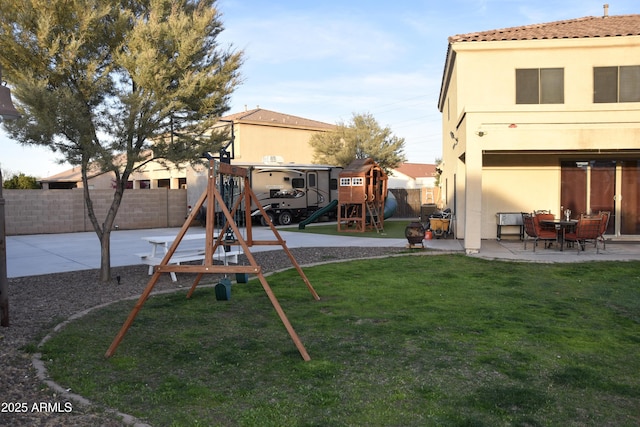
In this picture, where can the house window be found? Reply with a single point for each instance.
(616, 84)
(540, 86)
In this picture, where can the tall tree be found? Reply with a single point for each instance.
(21, 182)
(362, 137)
(105, 81)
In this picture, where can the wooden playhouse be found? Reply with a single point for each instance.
(361, 195)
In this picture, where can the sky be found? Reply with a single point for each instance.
(328, 60)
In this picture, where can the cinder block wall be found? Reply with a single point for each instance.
(64, 211)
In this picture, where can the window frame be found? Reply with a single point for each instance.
(536, 86)
(625, 88)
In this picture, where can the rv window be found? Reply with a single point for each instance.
(333, 184)
(297, 182)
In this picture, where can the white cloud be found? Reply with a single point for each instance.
(291, 37)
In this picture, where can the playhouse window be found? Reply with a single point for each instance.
(345, 182)
(357, 181)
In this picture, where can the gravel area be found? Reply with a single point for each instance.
(38, 303)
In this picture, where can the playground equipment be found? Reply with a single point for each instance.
(361, 195)
(235, 179)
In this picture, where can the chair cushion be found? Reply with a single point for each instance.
(544, 231)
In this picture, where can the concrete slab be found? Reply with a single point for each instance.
(39, 254)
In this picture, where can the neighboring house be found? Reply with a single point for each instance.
(151, 176)
(416, 175)
(72, 178)
(543, 116)
(259, 135)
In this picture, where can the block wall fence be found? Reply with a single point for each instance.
(64, 211)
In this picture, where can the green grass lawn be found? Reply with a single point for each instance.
(442, 340)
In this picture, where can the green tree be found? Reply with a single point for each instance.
(105, 81)
(362, 137)
(21, 182)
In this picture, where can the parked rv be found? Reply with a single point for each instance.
(292, 192)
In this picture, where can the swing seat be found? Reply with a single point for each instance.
(223, 290)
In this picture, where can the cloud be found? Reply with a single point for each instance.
(289, 37)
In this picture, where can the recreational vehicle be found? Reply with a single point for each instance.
(287, 192)
(294, 192)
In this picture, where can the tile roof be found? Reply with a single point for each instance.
(73, 175)
(259, 115)
(417, 170)
(587, 27)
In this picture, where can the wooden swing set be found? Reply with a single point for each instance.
(213, 198)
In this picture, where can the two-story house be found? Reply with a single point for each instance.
(543, 116)
(259, 135)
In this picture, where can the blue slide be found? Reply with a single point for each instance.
(390, 205)
(317, 214)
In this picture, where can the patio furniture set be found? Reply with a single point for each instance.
(545, 227)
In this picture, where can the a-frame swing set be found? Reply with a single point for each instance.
(212, 197)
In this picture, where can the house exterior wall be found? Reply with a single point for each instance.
(505, 150)
(254, 141)
(64, 211)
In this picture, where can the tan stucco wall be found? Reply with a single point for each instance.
(480, 109)
(518, 184)
(253, 142)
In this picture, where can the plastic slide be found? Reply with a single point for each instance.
(317, 214)
(390, 205)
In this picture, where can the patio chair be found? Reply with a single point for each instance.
(587, 230)
(535, 233)
(603, 227)
(544, 216)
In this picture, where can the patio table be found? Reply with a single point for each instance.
(561, 226)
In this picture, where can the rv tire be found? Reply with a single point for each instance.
(285, 218)
(263, 222)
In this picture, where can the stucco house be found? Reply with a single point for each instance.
(543, 116)
(259, 135)
(416, 175)
(262, 134)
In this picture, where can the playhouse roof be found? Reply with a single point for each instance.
(360, 167)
